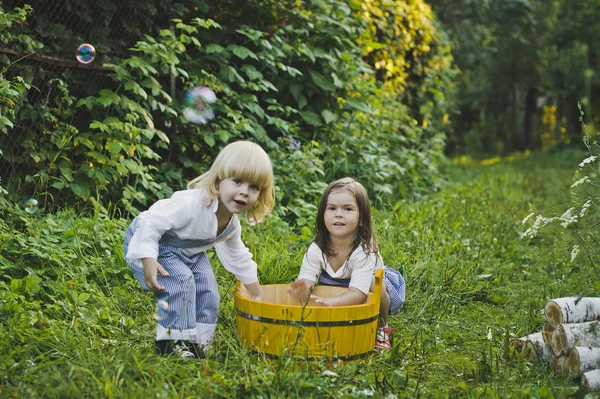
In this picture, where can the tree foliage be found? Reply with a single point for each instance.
(329, 88)
(525, 64)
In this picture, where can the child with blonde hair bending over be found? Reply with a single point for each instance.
(344, 253)
(166, 245)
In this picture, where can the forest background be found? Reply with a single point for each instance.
(384, 91)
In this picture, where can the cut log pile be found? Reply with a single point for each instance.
(569, 342)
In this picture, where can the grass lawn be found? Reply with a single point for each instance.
(75, 324)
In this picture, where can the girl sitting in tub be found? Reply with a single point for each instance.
(344, 253)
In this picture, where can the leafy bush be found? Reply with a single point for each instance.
(310, 71)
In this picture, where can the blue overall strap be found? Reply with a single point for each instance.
(169, 239)
(326, 279)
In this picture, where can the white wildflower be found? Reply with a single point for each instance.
(415, 233)
(568, 218)
(527, 218)
(574, 252)
(587, 160)
(489, 336)
(539, 222)
(584, 208)
(584, 179)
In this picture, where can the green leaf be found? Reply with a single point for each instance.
(302, 102)
(83, 297)
(359, 105)
(252, 72)
(210, 140)
(81, 191)
(311, 118)
(250, 33)
(214, 49)
(4, 121)
(328, 116)
(241, 52)
(256, 109)
(114, 147)
(322, 81)
(259, 131)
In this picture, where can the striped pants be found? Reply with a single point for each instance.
(191, 293)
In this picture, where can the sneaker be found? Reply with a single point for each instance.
(383, 341)
(181, 349)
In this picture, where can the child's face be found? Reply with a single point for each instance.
(341, 214)
(238, 195)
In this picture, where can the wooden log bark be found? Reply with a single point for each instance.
(582, 359)
(537, 351)
(572, 309)
(567, 336)
(590, 380)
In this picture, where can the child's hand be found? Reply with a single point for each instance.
(151, 269)
(322, 301)
(299, 289)
(255, 291)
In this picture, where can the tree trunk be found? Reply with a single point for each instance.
(572, 310)
(529, 119)
(558, 116)
(573, 115)
(582, 359)
(591, 379)
(516, 140)
(567, 336)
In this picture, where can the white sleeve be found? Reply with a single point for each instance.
(362, 265)
(164, 215)
(312, 263)
(236, 257)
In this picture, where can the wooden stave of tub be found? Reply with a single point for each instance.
(281, 325)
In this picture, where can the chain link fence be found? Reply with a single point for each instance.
(43, 51)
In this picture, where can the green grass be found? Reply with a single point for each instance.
(75, 324)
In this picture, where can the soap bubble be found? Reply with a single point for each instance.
(86, 53)
(198, 105)
(31, 205)
(161, 308)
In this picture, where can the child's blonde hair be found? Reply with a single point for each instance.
(365, 236)
(247, 161)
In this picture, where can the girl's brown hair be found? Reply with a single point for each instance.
(365, 236)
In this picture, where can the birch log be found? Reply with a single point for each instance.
(519, 343)
(561, 365)
(591, 380)
(547, 330)
(572, 309)
(582, 359)
(535, 349)
(567, 336)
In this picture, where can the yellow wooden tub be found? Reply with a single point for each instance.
(281, 324)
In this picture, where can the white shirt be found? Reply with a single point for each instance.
(189, 214)
(359, 267)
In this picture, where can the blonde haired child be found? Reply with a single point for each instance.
(344, 253)
(166, 245)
